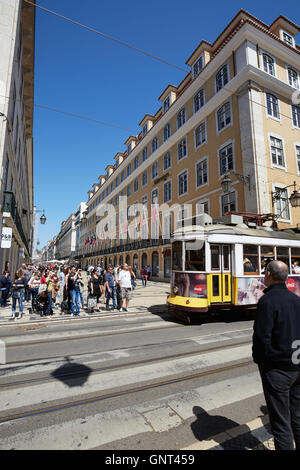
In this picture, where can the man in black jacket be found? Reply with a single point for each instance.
(276, 350)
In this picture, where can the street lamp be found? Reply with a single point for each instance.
(294, 198)
(43, 219)
(226, 183)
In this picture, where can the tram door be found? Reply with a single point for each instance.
(220, 276)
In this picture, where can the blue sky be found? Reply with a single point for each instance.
(82, 73)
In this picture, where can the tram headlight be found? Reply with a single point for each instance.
(175, 290)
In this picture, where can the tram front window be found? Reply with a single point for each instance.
(250, 259)
(195, 260)
(177, 256)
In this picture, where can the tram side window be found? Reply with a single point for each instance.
(295, 254)
(283, 255)
(250, 259)
(267, 255)
(177, 256)
(195, 260)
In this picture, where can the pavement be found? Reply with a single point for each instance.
(144, 299)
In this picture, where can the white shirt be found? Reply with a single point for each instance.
(125, 279)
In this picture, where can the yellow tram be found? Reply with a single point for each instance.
(217, 265)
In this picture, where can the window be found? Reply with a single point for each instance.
(136, 162)
(129, 190)
(145, 154)
(198, 66)
(154, 196)
(272, 106)
(200, 134)
(154, 170)
(295, 255)
(250, 259)
(226, 159)
(112, 187)
(180, 118)
(145, 129)
(222, 78)
(296, 115)
(167, 191)
(202, 206)
(117, 181)
(195, 260)
(277, 152)
(224, 116)
(167, 160)
(287, 38)
(166, 103)
(282, 203)
(182, 149)
(167, 132)
(268, 64)
(145, 177)
(293, 77)
(136, 185)
(129, 169)
(228, 203)
(198, 100)
(154, 144)
(283, 255)
(298, 157)
(201, 173)
(177, 256)
(122, 175)
(183, 183)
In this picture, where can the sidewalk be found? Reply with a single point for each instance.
(150, 298)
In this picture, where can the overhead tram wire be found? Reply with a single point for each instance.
(104, 35)
(144, 52)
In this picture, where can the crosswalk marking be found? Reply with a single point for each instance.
(103, 428)
(95, 383)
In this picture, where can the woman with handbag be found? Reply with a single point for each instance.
(17, 293)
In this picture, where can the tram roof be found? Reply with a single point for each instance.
(236, 230)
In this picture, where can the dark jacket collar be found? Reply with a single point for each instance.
(278, 285)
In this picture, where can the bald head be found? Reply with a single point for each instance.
(276, 271)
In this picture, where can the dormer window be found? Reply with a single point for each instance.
(166, 103)
(129, 148)
(145, 129)
(198, 66)
(287, 38)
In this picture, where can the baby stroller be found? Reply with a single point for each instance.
(40, 304)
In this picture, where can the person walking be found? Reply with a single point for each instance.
(74, 299)
(5, 285)
(110, 288)
(18, 291)
(95, 287)
(276, 341)
(126, 287)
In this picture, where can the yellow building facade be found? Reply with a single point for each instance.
(236, 113)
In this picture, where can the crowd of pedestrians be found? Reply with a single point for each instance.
(42, 288)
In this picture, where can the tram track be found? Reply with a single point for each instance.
(111, 368)
(115, 394)
(122, 393)
(87, 336)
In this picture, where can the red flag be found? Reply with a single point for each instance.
(154, 213)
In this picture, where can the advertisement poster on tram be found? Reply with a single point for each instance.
(251, 289)
(189, 284)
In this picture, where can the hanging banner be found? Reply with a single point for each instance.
(6, 237)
